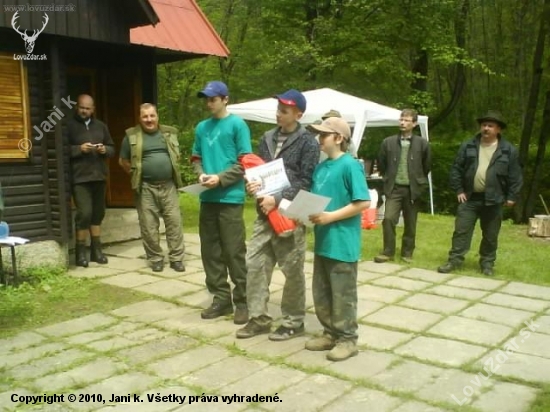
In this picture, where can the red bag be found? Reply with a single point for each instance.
(280, 224)
(368, 219)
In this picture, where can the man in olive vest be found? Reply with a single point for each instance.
(150, 154)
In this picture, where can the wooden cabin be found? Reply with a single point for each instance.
(109, 49)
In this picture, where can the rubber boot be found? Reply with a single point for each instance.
(96, 255)
(80, 254)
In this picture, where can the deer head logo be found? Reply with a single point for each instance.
(29, 40)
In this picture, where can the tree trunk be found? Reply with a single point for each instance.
(539, 161)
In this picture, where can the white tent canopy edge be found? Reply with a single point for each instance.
(359, 113)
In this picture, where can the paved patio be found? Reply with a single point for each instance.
(425, 338)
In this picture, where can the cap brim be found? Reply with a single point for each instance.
(205, 94)
(489, 119)
(320, 129)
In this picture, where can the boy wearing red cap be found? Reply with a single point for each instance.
(300, 153)
(337, 241)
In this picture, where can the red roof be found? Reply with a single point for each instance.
(183, 27)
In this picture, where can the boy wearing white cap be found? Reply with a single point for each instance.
(337, 241)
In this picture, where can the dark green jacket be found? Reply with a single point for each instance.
(504, 175)
(419, 161)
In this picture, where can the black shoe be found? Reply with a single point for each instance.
(284, 333)
(80, 255)
(216, 310)
(158, 266)
(447, 267)
(177, 266)
(487, 271)
(96, 254)
(241, 315)
(252, 329)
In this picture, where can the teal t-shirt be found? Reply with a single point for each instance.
(219, 143)
(343, 180)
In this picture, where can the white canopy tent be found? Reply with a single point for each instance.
(359, 113)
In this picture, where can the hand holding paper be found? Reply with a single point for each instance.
(303, 206)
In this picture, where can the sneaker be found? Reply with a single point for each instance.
(407, 259)
(342, 351)
(324, 342)
(284, 333)
(216, 310)
(382, 258)
(157, 266)
(241, 315)
(252, 329)
(447, 267)
(177, 266)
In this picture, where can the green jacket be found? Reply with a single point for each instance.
(135, 138)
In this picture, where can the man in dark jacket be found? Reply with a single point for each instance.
(90, 144)
(485, 175)
(299, 150)
(404, 161)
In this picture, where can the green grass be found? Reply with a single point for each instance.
(519, 257)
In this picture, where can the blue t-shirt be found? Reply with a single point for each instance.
(219, 143)
(343, 180)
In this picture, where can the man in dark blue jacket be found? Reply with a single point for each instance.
(485, 175)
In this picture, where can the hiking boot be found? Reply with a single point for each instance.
(80, 255)
(383, 258)
(319, 343)
(252, 329)
(216, 310)
(487, 271)
(177, 266)
(407, 259)
(448, 267)
(284, 333)
(157, 266)
(96, 254)
(241, 315)
(342, 351)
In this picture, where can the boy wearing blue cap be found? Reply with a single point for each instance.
(219, 143)
(300, 153)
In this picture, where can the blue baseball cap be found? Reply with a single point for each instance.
(213, 89)
(292, 97)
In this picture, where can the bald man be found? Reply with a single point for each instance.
(90, 143)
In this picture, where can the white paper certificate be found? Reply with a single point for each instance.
(195, 189)
(272, 176)
(303, 205)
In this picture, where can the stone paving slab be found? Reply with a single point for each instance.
(532, 343)
(476, 283)
(49, 364)
(126, 264)
(399, 377)
(382, 339)
(362, 399)
(310, 394)
(527, 290)
(506, 397)
(12, 359)
(470, 330)
(398, 282)
(414, 406)
(544, 323)
(517, 365)
(380, 294)
(425, 275)
(74, 326)
(169, 288)
(93, 272)
(457, 292)
(366, 307)
(496, 314)
(156, 349)
(367, 363)
(130, 280)
(20, 341)
(516, 302)
(403, 318)
(365, 276)
(384, 268)
(434, 303)
(444, 351)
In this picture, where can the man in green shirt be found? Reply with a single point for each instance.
(150, 154)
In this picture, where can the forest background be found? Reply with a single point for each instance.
(452, 60)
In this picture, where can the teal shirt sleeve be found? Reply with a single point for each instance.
(244, 145)
(125, 149)
(357, 182)
(196, 151)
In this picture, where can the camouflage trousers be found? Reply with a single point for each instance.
(155, 201)
(335, 297)
(264, 251)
